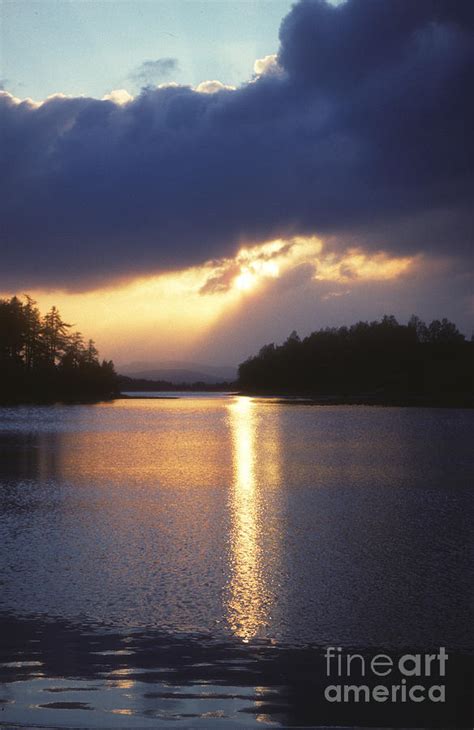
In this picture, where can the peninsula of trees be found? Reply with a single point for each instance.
(378, 362)
(43, 360)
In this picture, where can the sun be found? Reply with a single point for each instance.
(253, 272)
(245, 280)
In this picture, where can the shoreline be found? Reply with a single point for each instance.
(296, 398)
(289, 398)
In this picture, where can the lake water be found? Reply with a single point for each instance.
(174, 560)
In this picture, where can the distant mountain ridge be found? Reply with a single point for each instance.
(179, 372)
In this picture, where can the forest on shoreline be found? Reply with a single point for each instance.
(381, 362)
(43, 360)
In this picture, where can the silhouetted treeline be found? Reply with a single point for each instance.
(144, 385)
(376, 362)
(42, 360)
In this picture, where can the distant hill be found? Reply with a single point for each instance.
(179, 372)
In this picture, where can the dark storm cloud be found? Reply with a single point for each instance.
(153, 72)
(366, 137)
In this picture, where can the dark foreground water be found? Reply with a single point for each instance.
(186, 562)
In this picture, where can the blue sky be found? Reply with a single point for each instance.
(92, 47)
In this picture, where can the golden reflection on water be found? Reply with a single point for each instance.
(246, 609)
(115, 680)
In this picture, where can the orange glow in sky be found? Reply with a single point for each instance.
(168, 314)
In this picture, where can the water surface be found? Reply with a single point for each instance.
(225, 525)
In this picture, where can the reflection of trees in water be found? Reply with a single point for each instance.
(29, 455)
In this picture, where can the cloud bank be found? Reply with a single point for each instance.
(363, 137)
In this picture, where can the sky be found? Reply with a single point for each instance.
(191, 180)
(91, 47)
